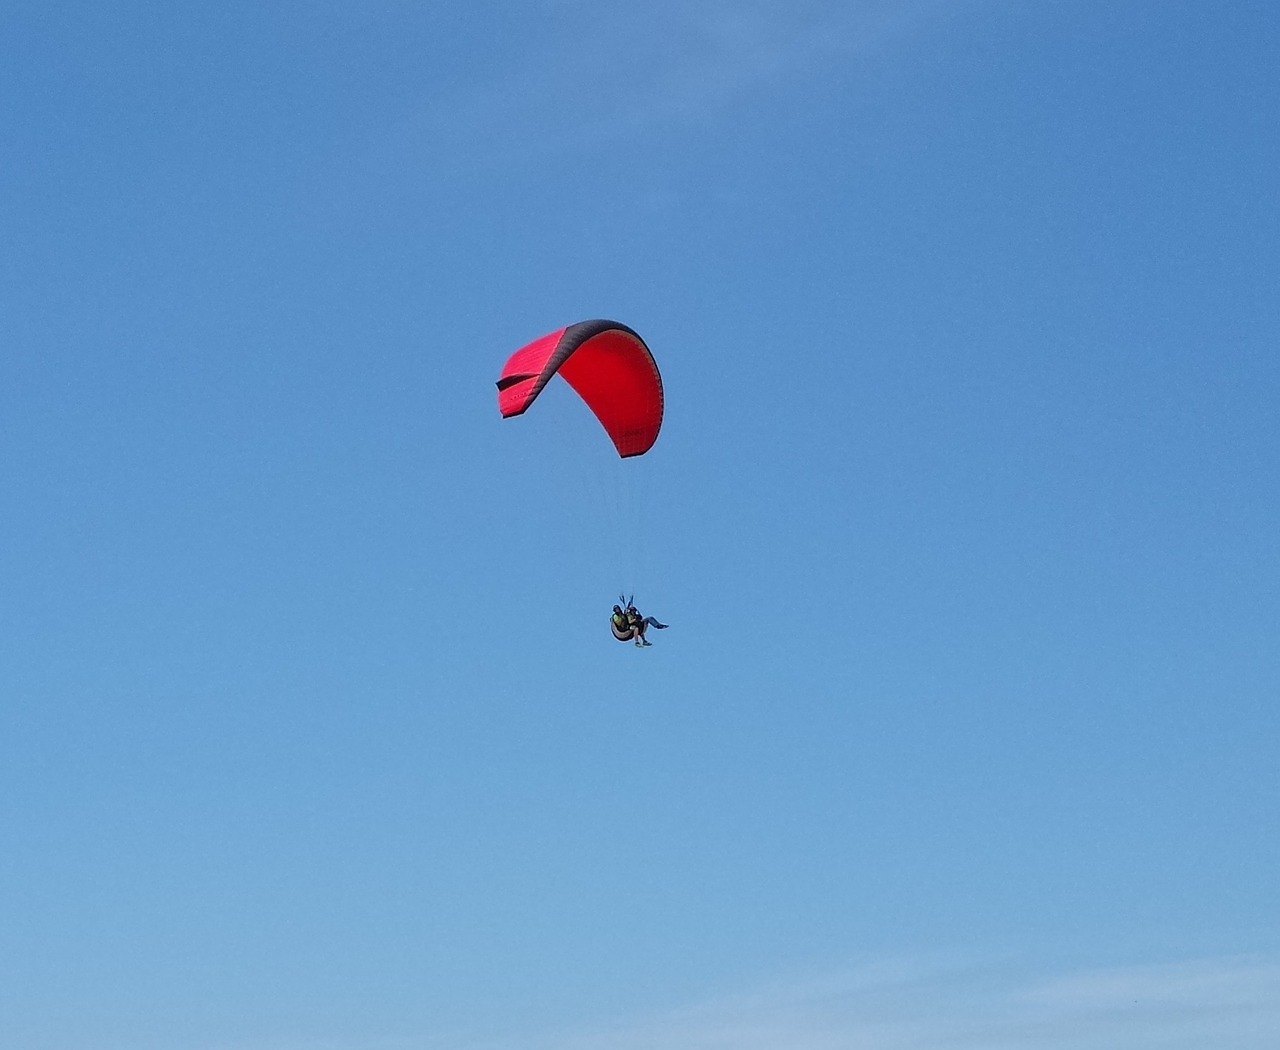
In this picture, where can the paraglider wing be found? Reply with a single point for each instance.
(609, 366)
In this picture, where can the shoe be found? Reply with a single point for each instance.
(648, 643)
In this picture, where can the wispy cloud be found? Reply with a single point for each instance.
(594, 76)
(728, 50)
(1227, 1004)
(619, 67)
(1223, 1004)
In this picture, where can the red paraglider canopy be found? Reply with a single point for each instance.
(608, 365)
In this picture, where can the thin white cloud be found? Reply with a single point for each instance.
(598, 75)
(620, 68)
(731, 49)
(1223, 1004)
(1227, 1004)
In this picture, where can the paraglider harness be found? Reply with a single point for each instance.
(624, 631)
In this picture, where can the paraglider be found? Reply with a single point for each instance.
(609, 366)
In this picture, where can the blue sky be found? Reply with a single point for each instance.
(964, 515)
